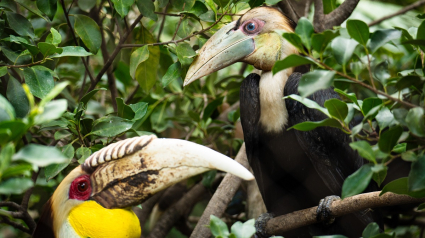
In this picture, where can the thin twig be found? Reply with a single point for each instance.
(24, 65)
(402, 11)
(27, 195)
(178, 26)
(75, 39)
(132, 94)
(162, 23)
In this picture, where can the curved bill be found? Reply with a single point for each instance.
(130, 171)
(224, 48)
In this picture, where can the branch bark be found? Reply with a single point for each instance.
(324, 21)
(402, 11)
(338, 208)
(221, 198)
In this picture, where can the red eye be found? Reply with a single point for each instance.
(252, 26)
(80, 188)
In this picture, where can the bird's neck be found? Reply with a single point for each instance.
(274, 116)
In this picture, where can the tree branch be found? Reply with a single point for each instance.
(221, 198)
(335, 18)
(402, 11)
(286, 7)
(338, 208)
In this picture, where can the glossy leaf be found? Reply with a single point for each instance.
(54, 37)
(337, 108)
(291, 61)
(382, 37)
(89, 32)
(147, 8)
(76, 51)
(140, 109)
(159, 117)
(173, 73)
(305, 30)
(417, 175)
(364, 149)
(185, 53)
(82, 154)
(295, 40)
(311, 125)
(53, 110)
(314, 81)
(123, 6)
(385, 118)
(320, 41)
(379, 173)
(17, 97)
(415, 121)
(138, 56)
(40, 155)
(146, 71)
(358, 30)
(343, 49)
(6, 154)
(398, 186)
(350, 96)
(308, 103)
(15, 186)
(86, 5)
(54, 169)
(48, 7)
(370, 103)
(110, 126)
(3, 71)
(39, 80)
(243, 230)
(85, 99)
(218, 227)
(49, 49)
(20, 24)
(357, 182)
(389, 138)
(372, 229)
(409, 156)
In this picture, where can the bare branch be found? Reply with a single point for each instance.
(402, 11)
(286, 7)
(6, 220)
(162, 23)
(338, 208)
(335, 18)
(221, 198)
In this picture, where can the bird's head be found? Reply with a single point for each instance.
(256, 38)
(95, 199)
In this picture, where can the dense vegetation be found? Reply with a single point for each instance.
(79, 75)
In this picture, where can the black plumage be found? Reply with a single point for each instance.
(295, 169)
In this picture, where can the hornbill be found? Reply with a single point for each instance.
(294, 169)
(95, 199)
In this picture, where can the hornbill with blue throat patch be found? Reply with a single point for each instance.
(294, 169)
(94, 200)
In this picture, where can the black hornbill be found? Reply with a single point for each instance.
(94, 200)
(294, 169)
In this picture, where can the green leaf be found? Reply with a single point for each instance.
(351, 96)
(162, 3)
(6, 154)
(337, 108)
(415, 121)
(173, 73)
(124, 110)
(290, 61)
(7, 113)
(389, 138)
(15, 186)
(309, 103)
(54, 92)
(146, 71)
(76, 51)
(209, 109)
(365, 150)
(305, 30)
(123, 6)
(54, 169)
(221, 3)
(381, 72)
(371, 230)
(39, 80)
(421, 207)
(379, 173)
(295, 40)
(86, 5)
(245, 230)
(311, 125)
(408, 81)
(343, 49)
(89, 32)
(358, 30)
(158, 118)
(398, 186)
(329, 6)
(49, 49)
(40, 155)
(381, 37)
(15, 130)
(320, 41)
(147, 8)
(3, 71)
(417, 175)
(185, 53)
(139, 110)
(357, 182)
(48, 7)
(53, 110)
(138, 56)
(198, 9)
(110, 126)
(370, 103)
(385, 118)
(218, 227)
(409, 156)
(54, 37)
(255, 3)
(20, 24)
(82, 154)
(15, 170)
(32, 7)
(85, 99)
(17, 97)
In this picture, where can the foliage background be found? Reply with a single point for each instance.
(60, 101)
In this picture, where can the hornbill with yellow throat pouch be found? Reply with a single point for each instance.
(294, 169)
(94, 200)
